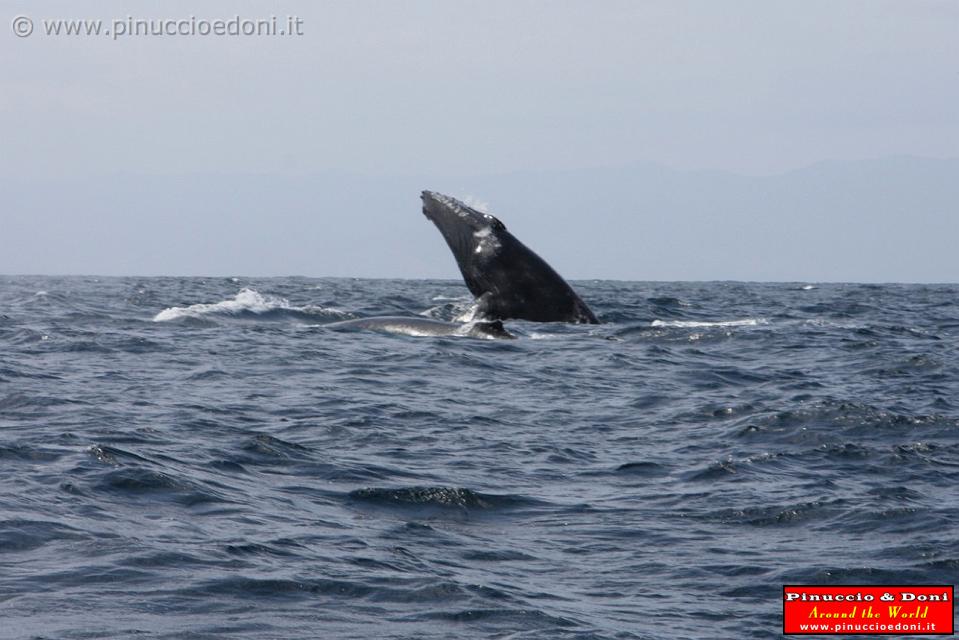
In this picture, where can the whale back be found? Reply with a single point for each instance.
(418, 326)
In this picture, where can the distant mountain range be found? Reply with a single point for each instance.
(887, 220)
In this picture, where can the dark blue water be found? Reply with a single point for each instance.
(201, 458)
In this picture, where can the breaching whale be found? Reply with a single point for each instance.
(423, 327)
(507, 278)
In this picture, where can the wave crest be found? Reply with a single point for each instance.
(691, 324)
(246, 302)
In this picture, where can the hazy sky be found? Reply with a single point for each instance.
(475, 88)
(485, 87)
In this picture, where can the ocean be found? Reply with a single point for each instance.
(202, 458)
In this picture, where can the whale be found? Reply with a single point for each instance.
(414, 326)
(507, 278)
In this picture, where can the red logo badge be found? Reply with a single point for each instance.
(868, 610)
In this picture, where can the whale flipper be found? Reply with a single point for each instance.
(507, 278)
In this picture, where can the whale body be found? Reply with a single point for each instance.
(508, 279)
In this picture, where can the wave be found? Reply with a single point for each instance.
(691, 324)
(248, 302)
(443, 497)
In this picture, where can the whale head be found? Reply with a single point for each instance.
(471, 234)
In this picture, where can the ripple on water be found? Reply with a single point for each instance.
(442, 497)
(19, 535)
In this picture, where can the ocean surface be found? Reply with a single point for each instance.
(202, 458)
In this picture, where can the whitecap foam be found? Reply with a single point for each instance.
(698, 324)
(246, 301)
(832, 324)
(468, 314)
(461, 309)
